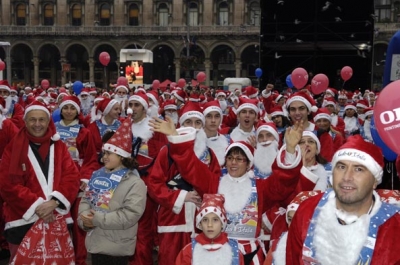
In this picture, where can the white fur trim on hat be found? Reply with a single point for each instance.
(5, 88)
(191, 114)
(269, 129)
(212, 108)
(110, 105)
(360, 157)
(276, 113)
(245, 149)
(369, 113)
(153, 98)
(115, 149)
(247, 106)
(220, 94)
(350, 107)
(211, 209)
(170, 106)
(176, 95)
(328, 102)
(36, 107)
(140, 100)
(122, 86)
(304, 100)
(361, 105)
(278, 98)
(313, 136)
(73, 103)
(323, 116)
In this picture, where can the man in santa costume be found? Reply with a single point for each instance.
(177, 198)
(349, 224)
(332, 106)
(15, 111)
(121, 95)
(38, 176)
(365, 129)
(145, 147)
(85, 101)
(169, 109)
(153, 103)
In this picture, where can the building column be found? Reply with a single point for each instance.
(36, 62)
(63, 60)
(207, 65)
(238, 68)
(177, 63)
(91, 63)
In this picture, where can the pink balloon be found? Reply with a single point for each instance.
(156, 84)
(2, 65)
(319, 84)
(201, 77)
(122, 81)
(104, 58)
(299, 77)
(181, 83)
(346, 73)
(172, 85)
(45, 84)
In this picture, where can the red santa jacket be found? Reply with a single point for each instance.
(17, 117)
(7, 132)
(386, 249)
(22, 194)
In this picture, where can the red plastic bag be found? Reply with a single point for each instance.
(46, 243)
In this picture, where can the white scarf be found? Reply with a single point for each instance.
(236, 192)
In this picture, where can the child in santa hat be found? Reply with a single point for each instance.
(212, 246)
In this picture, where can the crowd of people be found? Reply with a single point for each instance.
(202, 176)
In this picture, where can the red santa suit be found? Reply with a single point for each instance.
(175, 216)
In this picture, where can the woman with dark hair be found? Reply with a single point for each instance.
(350, 117)
(113, 202)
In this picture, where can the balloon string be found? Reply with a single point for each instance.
(389, 169)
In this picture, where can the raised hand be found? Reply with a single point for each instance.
(293, 136)
(166, 127)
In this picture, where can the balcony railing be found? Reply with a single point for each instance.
(387, 27)
(126, 30)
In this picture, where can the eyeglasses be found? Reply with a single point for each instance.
(237, 159)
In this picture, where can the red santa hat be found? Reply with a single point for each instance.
(37, 105)
(179, 94)
(106, 105)
(277, 111)
(389, 196)
(301, 197)
(246, 103)
(329, 101)
(342, 95)
(191, 110)
(85, 91)
(28, 89)
(194, 97)
(277, 97)
(368, 112)
(121, 141)
(124, 87)
(50, 89)
(212, 203)
(4, 85)
(247, 149)
(97, 99)
(323, 113)
(73, 100)
(350, 106)
(153, 96)
(212, 106)
(14, 89)
(106, 94)
(169, 105)
(220, 93)
(141, 98)
(362, 152)
(140, 89)
(362, 104)
(304, 98)
(315, 138)
(251, 92)
(93, 91)
(331, 91)
(269, 127)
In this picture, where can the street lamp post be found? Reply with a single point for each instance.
(187, 72)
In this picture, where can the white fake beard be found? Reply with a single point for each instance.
(200, 143)
(174, 117)
(264, 156)
(85, 103)
(350, 124)
(223, 105)
(8, 101)
(367, 129)
(15, 98)
(152, 111)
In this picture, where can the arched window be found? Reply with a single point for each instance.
(21, 15)
(48, 15)
(223, 14)
(163, 14)
(105, 14)
(255, 14)
(76, 18)
(133, 15)
(193, 14)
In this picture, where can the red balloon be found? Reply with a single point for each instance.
(319, 84)
(387, 116)
(201, 77)
(299, 77)
(122, 81)
(346, 73)
(181, 83)
(156, 84)
(172, 85)
(45, 84)
(104, 58)
(2, 65)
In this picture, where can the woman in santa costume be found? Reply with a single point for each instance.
(351, 121)
(245, 197)
(212, 246)
(107, 112)
(38, 176)
(113, 203)
(349, 224)
(337, 121)
(83, 152)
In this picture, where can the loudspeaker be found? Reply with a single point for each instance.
(319, 36)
